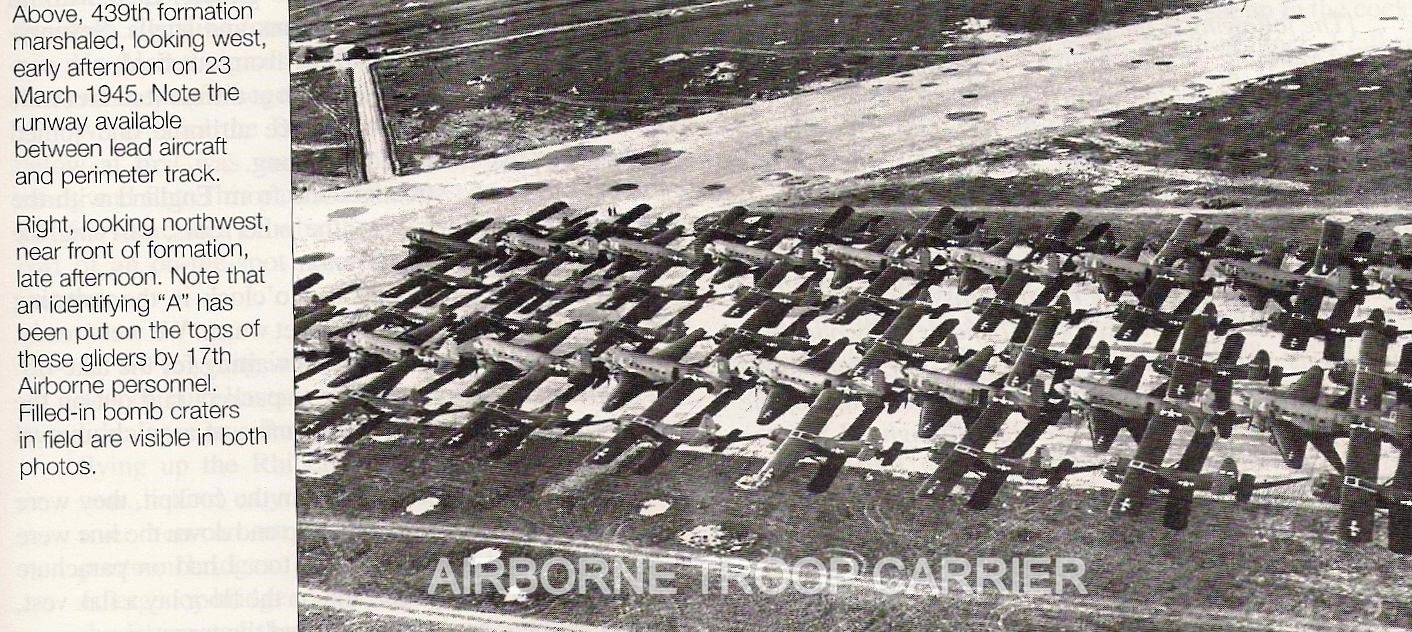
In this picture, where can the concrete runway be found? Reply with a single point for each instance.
(1248, 446)
(378, 158)
(761, 151)
(765, 150)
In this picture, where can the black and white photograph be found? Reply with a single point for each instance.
(826, 315)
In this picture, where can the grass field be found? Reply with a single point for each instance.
(323, 129)
(1328, 134)
(431, 23)
(324, 619)
(1247, 559)
(477, 103)
(587, 83)
(422, 24)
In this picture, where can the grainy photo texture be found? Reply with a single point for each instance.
(911, 315)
